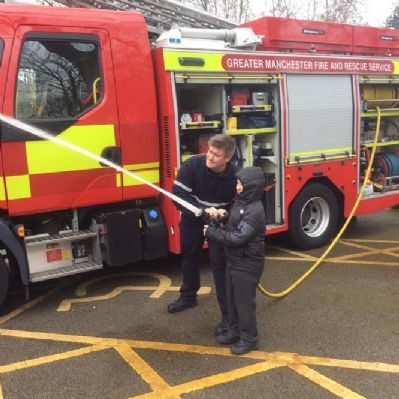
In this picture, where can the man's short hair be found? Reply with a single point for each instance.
(223, 142)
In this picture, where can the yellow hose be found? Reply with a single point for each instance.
(336, 239)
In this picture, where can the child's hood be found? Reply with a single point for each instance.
(253, 181)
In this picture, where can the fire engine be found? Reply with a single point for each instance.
(299, 97)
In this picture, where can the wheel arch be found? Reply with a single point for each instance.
(325, 224)
(328, 183)
(15, 250)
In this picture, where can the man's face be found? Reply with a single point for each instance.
(216, 159)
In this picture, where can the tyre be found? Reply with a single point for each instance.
(313, 217)
(4, 280)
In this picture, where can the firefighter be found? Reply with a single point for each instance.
(207, 181)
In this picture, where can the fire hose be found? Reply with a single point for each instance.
(343, 228)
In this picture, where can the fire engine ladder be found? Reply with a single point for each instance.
(64, 253)
(160, 15)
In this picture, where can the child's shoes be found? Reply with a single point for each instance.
(242, 347)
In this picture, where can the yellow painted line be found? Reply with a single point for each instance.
(368, 248)
(210, 381)
(357, 255)
(164, 286)
(162, 390)
(373, 241)
(333, 260)
(273, 357)
(347, 364)
(1, 392)
(81, 290)
(66, 304)
(26, 306)
(349, 243)
(138, 364)
(296, 253)
(328, 384)
(50, 359)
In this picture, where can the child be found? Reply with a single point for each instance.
(243, 238)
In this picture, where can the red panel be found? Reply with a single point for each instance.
(376, 204)
(14, 158)
(342, 174)
(300, 35)
(135, 86)
(375, 41)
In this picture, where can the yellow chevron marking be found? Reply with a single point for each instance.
(26, 306)
(327, 383)
(138, 364)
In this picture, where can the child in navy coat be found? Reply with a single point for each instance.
(243, 238)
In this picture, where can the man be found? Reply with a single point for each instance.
(207, 181)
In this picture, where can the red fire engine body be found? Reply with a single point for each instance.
(302, 106)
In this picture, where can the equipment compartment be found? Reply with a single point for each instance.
(384, 94)
(248, 111)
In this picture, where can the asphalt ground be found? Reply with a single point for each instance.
(108, 335)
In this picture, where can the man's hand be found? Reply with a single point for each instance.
(205, 229)
(222, 213)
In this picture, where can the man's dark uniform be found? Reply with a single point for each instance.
(203, 188)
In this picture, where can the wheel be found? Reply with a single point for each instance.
(314, 217)
(4, 280)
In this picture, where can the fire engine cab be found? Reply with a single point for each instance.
(299, 97)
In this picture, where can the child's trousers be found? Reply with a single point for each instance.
(241, 303)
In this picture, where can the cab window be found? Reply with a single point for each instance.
(57, 78)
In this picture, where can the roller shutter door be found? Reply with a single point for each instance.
(320, 116)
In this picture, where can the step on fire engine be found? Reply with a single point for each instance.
(300, 98)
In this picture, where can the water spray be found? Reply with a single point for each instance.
(44, 135)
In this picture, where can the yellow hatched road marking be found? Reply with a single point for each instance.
(26, 306)
(211, 381)
(161, 389)
(51, 358)
(325, 382)
(333, 260)
(350, 258)
(138, 364)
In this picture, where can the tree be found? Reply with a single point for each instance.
(283, 8)
(342, 11)
(234, 10)
(393, 20)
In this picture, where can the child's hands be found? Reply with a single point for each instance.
(221, 213)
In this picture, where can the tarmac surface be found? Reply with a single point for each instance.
(107, 334)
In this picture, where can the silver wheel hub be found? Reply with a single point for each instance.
(315, 217)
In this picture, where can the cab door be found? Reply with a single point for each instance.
(60, 80)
